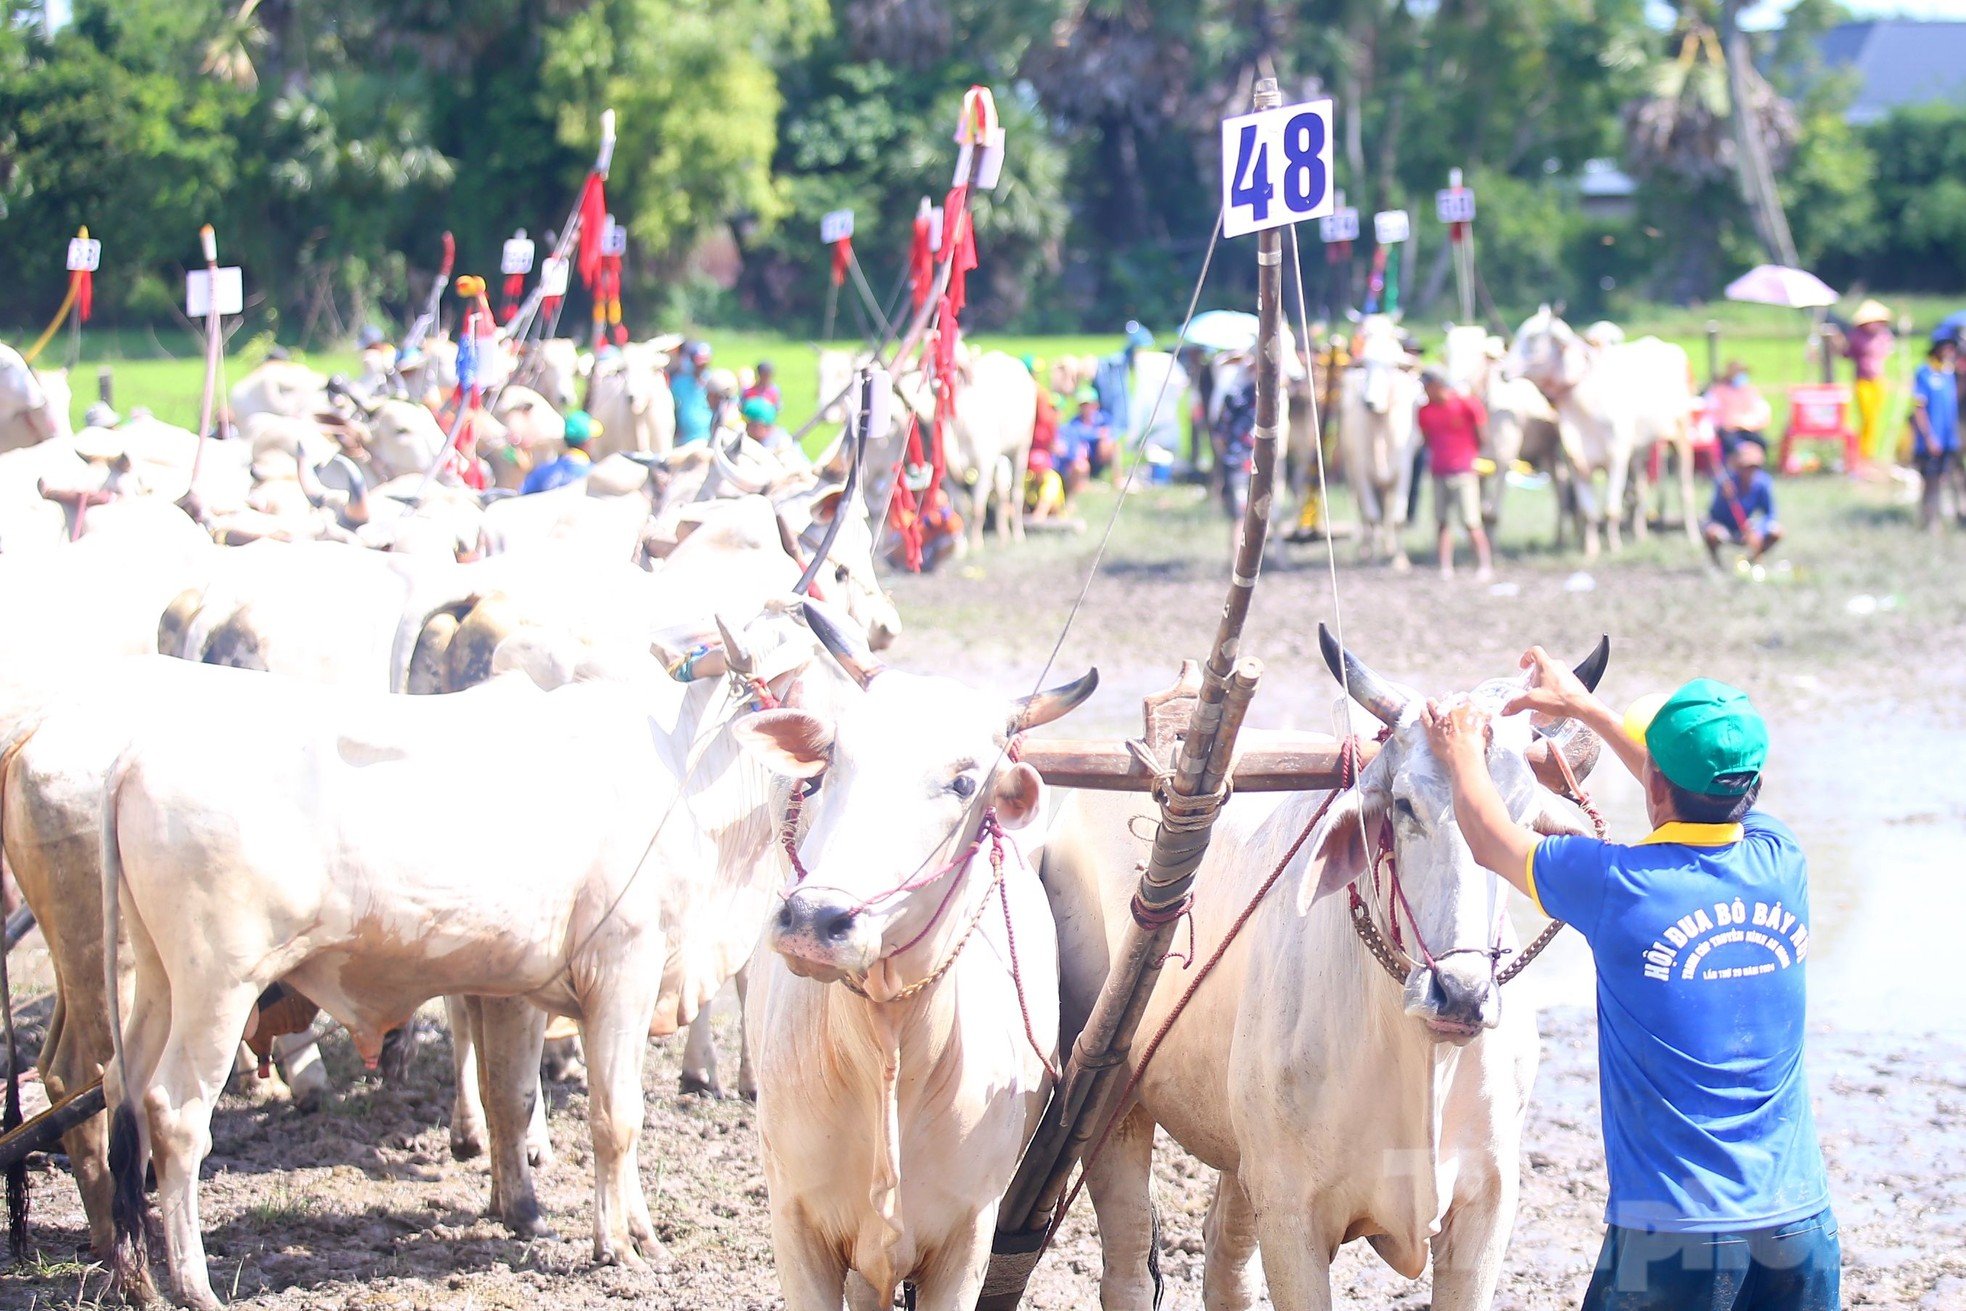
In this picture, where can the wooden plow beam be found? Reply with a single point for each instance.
(1190, 799)
(43, 1132)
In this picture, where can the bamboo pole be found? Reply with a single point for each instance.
(1086, 1097)
(214, 344)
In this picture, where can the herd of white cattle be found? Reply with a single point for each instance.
(587, 756)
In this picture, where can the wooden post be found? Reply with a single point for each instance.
(1093, 1077)
(214, 344)
(106, 386)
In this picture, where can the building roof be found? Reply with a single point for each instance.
(1898, 62)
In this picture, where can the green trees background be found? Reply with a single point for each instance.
(332, 141)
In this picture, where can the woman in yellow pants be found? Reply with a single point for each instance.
(1869, 344)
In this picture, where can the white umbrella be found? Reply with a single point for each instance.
(1776, 284)
(1223, 330)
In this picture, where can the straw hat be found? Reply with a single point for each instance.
(1870, 312)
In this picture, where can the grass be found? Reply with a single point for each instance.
(283, 1205)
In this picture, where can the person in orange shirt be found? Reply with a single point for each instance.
(1738, 408)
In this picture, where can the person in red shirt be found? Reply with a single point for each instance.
(1452, 425)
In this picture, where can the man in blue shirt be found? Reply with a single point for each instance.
(1085, 443)
(1719, 1199)
(1935, 424)
(1743, 509)
(574, 464)
(686, 387)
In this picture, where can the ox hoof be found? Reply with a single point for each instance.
(696, 1084)
(310, 1101)
(467, 1146)
(748, 1094)
(540, 1155)
(530, 1227)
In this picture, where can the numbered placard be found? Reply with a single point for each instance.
(516, 257)
(1454, 205)
(1391, 226)
(614, 238)
(553, 277)
(1339, 225)
(1276, 167)
(836, 226)
(84, 254)
(206, 290)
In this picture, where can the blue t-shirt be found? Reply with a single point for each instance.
(1077, 438)
(692, 407)
(1756, 500)
(1700, 933)
(1939, 389)
(569, 468)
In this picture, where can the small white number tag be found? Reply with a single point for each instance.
(1455, 205)
(1391, 226)
(1276, 167)
(516, 257)
(202, 289)
(84, 254)
(614, 238)
(836, 226)
(1339, 225)
(553, 277)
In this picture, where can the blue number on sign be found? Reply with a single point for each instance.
(1251, 184)
(1303, 173)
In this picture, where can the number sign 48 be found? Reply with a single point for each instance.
(1276, 167)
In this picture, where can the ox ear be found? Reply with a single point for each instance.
(827, 504)
(1019, 794)
(1555, 815)
(1337, 851)
(795, 743)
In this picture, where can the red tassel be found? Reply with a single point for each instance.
(921, 262)
(85, 294)
(1457, 232)
(842, 255)
(593, 225)
(959, 248)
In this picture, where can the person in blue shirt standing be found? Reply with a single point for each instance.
(572, 466)
(1743, 509)
(1719, 1199)
(686, 387)
(1935, 425)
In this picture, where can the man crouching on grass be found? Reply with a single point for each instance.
(1719, 1200)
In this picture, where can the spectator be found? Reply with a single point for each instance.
(1112, 379)
(1935, 426)
(574, 464)
(761, 426)
(1085, 443)
(720, 393)
(1743, 509)
(1235, 441)
(1738, 408)
(1452, 425)
(1044, 490)
(766, 385)
(686, 370)
(1868, 344)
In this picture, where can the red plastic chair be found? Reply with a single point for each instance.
(1818, 412)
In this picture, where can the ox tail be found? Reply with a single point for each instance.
(131, 1256)
(10, 1117)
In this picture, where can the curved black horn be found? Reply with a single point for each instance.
(1366, 687)
(1052, 703)
(851, 652)
(1591, 668)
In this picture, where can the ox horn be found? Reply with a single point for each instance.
(737, 659)
(1366, 687)
(1581, 752)
(1052, 703)
(852, 654)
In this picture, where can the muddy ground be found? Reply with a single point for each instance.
(1853, 649)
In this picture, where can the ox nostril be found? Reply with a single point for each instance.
(785, 918)
(837, 926)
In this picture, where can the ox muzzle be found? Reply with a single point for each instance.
(823, 934)
(1457, 997)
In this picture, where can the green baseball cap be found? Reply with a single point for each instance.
(1708, 738)
(580, 428)
(758, 410)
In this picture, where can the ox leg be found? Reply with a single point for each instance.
(617, 1035)
(1296, 1253)
(69, 1059)
(467, 1109)
(954, 1279)
(197, 1059)
(747, 1077)
(509, 1033)
(1641, 496)
(1473, 1239)
(700, 1057)
(1128, 1235)
(1229, 1280)
(812, 1272)
(1690, 516)
(1615, 479)
(300, 1062)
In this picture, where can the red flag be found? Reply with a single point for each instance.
(593, 226)
(959, 248)
(921, 258)
(85, 293)
(842, 255)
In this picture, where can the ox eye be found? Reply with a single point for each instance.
(839, 574)
(1403, 809)
(963, 786)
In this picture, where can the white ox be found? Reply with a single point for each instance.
(283, 387)
(1614, 402)
(1376, 431)
(628, 395)
(893, 1108)
(1521, 423)
(33, 406)
(1335, 1102)
(386, 904)
(990, 440)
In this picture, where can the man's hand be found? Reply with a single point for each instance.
(1557, 690)
(1459, 736)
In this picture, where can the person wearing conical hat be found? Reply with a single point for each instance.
(1868, 343)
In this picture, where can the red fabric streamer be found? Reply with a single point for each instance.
(958, 249)
(85, 293)
(593, 226)
(921, 260)
(1457, 232)
(842, 256)
(515, 287)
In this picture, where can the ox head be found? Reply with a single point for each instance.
(847, 577)
(1547, 351)
(1456, 907)
(899, 777)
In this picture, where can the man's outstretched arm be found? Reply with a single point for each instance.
(1558, 692)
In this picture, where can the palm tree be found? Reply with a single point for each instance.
(229, 54)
